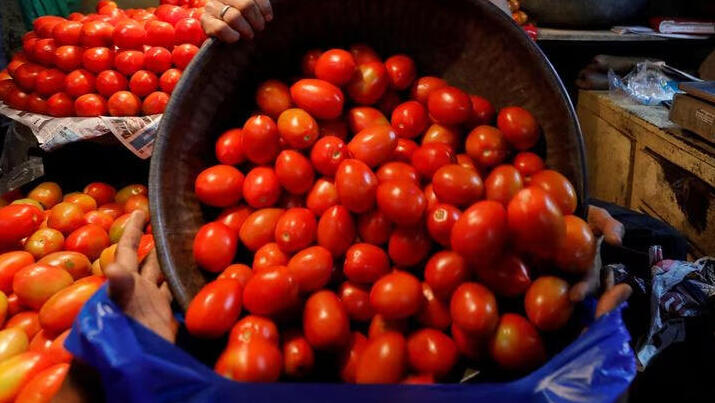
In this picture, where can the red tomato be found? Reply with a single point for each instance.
(401, 71)
(503, 183)
(399, 171)
(297, 128)
(516, 345)
(261, 140)
(486, 146)
(298, 356)
(509, 276)
(36, 104)
(44, 51)
(322, 196)
(229, 147)
(238, 271)
(428, 158)
(40, 343)
(273, 97)
(110, 81)
(13, 305)
(547, 303)
(155, 103)
(255, 361)
(480, 234)
(271, 292)
(295, 229)
(215, 309)
(404, 150)
(188, 30)
(128, 191)
(577, 250)
(182, 54)
(75, 263)
(311, 268)
(36, 283)
(67, 33)
(434, 312)
(448, 135)
(335, 66)
(528, 163)
(519, 127)
(254, 327)
(558, 187)
(85, 202)
(327, 154)
(90, 105)
(124, 103)
(396, 295)
(58, 313)
(159, 33)
(18, 221)
(60, 105)
(449, 105)
(325, 321)
(336, 230)
(380, 325)
(408, 246)
(49, 82)
(409, 119)
(26, 321)
(17, 99)
(444, 272)
(356, 300)
(402, 202)
(364, 54)
(383, 359)
(43, 386)
(129, 62)
(309, 61)
(424, 86)
(362, 117)
(220, 185)
(457, 185)
(261, 187)
(365, 263)
(6, 87)
(535, 222)
(47, 193)
(440, 220)
(259, 228)
(96, 33)
(319, 98)
(112, 209)
(89, 240)
(374, 227)
(129, 34)
(431, 351)
(369, 83)
(143, 83)
(97, 217)
(474, 309)
(26, 75)
(482, 111)
(97, 59)
(215, 246)
(157, 59)
(356, 184)
(350, 355)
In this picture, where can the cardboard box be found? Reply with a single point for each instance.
(695, 115)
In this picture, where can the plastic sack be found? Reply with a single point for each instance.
(646, 84)
(136, 365)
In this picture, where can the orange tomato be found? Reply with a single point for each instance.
(65, 217)
(15, 372)
(36, 283)
(27, 321)
(3, 308)
(137, 202)
(107, 256)
(44, 241)
(44, 386)
(40, 342)
(112, 209)
(100, 218)
(57, 351)
(13, 341)
(11, 263)
(58, 313)
(128, 191)
(47, 193)
(84, 201)
(75, 263)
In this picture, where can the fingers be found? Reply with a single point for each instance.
(602, 222)
(151, 270)
(243, 18)
(166, 292)
(238, 22)
(121, 283)
(129, 242)
(266, 9)
(613, 298)
(218, 28)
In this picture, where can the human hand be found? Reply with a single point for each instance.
(137, 290)
(229, 20)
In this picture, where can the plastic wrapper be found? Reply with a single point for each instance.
(646, 84)
(137, 365)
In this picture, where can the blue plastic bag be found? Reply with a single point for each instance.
(136, 365)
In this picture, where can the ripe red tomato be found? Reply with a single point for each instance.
(396, 295)
(102, 193)
(261, 140)
(96, 33)
(365, 263)
(128, 191)
(215, 246)
(143, 83)
(369, 83)
(404, 150)
(26, 75)
(129, 34)
(448, 135)
(254, 327)
(44, 51)
(431, 351)
(261, 187)
(335, 66)
(400, 171)
(89, 240)
(238, 271)
(516, 345)
(535, 222)
(362, 117)
(159, 33)
(383, 359)
(18, 221)
(311, 268)
(444, 272)
(474, 309)
(364, 54)
(229, 147)
(356, 300)
(449, 105)
(259, 228)
(27, 321)
(219, 185)
(129, 62)
(155, 103)
(350, 355)
(215, 309)
(486, 146)
(273, 97)
(298, 356)
(188, 30)
(577, 250)
(234, 217)
(480, 234)
(503, 183)
(49, 82)
(401, 71)
(428, 158)
(509, 276)
(558, 187)
(336, 230)
(67, 33)
(408, 246)
(110, 81)
(482, 111)
(380, 325)
(409, 119)
(322, 196)
(90, 105)
(519, 127)
(97, 217)
(254, 361)
(319, 98)
(325, 322)
(60, 105)
(6, 86)
(294, 171)
(171, 14)
(297, 128)
(295, 229)
(79, 82)
(308, 62)
(374, 227)
(157, 59)
(547, 303)
(85, 202)
(440, 220)
(402, 202)
(18, 99)
(182, 54)
(270, 292)
(424, 86)
(97, 59)
(434, 312)
(36, 104)
(357, 185)
(36, 283)
(528, 163)
(327, 154)
(454, 184)
(47, 193)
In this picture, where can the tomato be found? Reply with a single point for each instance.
(261, 188)
(319, 98)
(404, 150)
(220, 185)
(449, 105)
(6, 87)
(336, 128)
(129, 34)
(97, 59)
(143, 82)
(238, 271)
(128, 191)
(159, 33)
(294, 172)
(17, 371)
(409, 119)
(17, 99)
(364, 54)
(325, 321)
(18, 221)
(79, 82)
(350, 356)
(402, 202)
(295, 229)
(234, 217)
(535, 222)
(424, 87)
(577, 250)
(182, 54)
(480, 234)
(215, 246)
(408, 246)
(253, 327)
(34, 284)
(129, 62)
(356, 184)
(474, 309)
(13, 305)
(44, 51)
(444, 272)
(558, 187)
(362, 117)
(253, 361)
(58, 312)
(84, 201)
(428, 158)
(431, 351)
(401, 71)
(27, 321)
(267, 256)
(335, 66)
(547, 303)
(47, 193)
(374, 227)
(146, 244)
(117, 229)
(75, 263)
(11, 263)
(26, 75)
(44, 241)
(36, 104)
(369, 83)
(89, 240)
(365, 263)
(503, 183)
(396, 295)
(298, 356)
(261, 140)
(486, 146)
(399, 171)
(509, 276)
(434, 312)
(383, 360)
(528, 163)
(448, 135)
(309, 60)
(57, 351)
(516, 345)
(188, 30)
(157, 59)
(60, 105)
(229, 147)
(49, 82)
(482, 111)
(67, 57)
(259, 228)
(4, 308)
(273, 97)
(155, 103)
(90, 105)
(124, 103)
(457, 185)
(322, 196)
(380, 325)
(29, 202)
(356, 300)
(45, 385)
(215, 309)
(102, 193)
(96, 33)
(374, 145)
(67, 33)
(327, 154)
(271, 291)
(13, 341)
(519, 127)
(112, 209)
(336, 230)
(39, 342)
(440, 220)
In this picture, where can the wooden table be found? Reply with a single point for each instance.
(639, 159)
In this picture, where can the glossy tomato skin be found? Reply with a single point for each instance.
(229, 147)
(408, 246)
(469, 346)
(91, 105)
(577, 250)
(402, 202)
(547, 303)
(519, 127)
(297, 128)
(270, 292)
(58, 312)
(474, 309)
(365, 263)
(320, 98)
(327, 154)
(79, 82)
(215, 246)
(383, 360)
(431, 351)
(528, 163)
(259, 228)
(253, 361)
(454, 184)
(404, 150)
(298, 356)
(373, 145)
(424, 86)
(49, 82)
(129, 62)
(97, 59)
(401, 71)
(234, 217)
(362, 117)
(350, 356)
(535, 222)
(36, 283)
(237, 271)
(219, 185)
(396, 295)
(252, 327)
(440, 219)
(273, 97)
(215, 309)
(364, 53)
(124, 103)
(516, 345)
(369, 83)
(356, 300)
(449, 106)
(88, 239)
(558, 187)
(409, 119)
(508, 276)
(395, 170)
(486, 146)
(102, 193)
(75, 263)
(261, 188)
(374, 227)
(311, 268)
(336, 66)
(261, 141)
(444, 272)
(480, 233)
(267, 256)
(336, 230)
(18, 221)
(308, 62)
(503, 183)
(482, 111)
(325, 322)
(182, 55)
(357, 185)
(428, 158)
(45, 385)
(44, 241)
(449, 135)
(294, 172)
(159, 33)
(155, 103)
(295, 229)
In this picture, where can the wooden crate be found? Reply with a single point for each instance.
(637, 158)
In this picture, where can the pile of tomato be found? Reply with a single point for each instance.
(52, 252)
(384, 227)
(115, 62)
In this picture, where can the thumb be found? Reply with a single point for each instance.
(121, 284)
